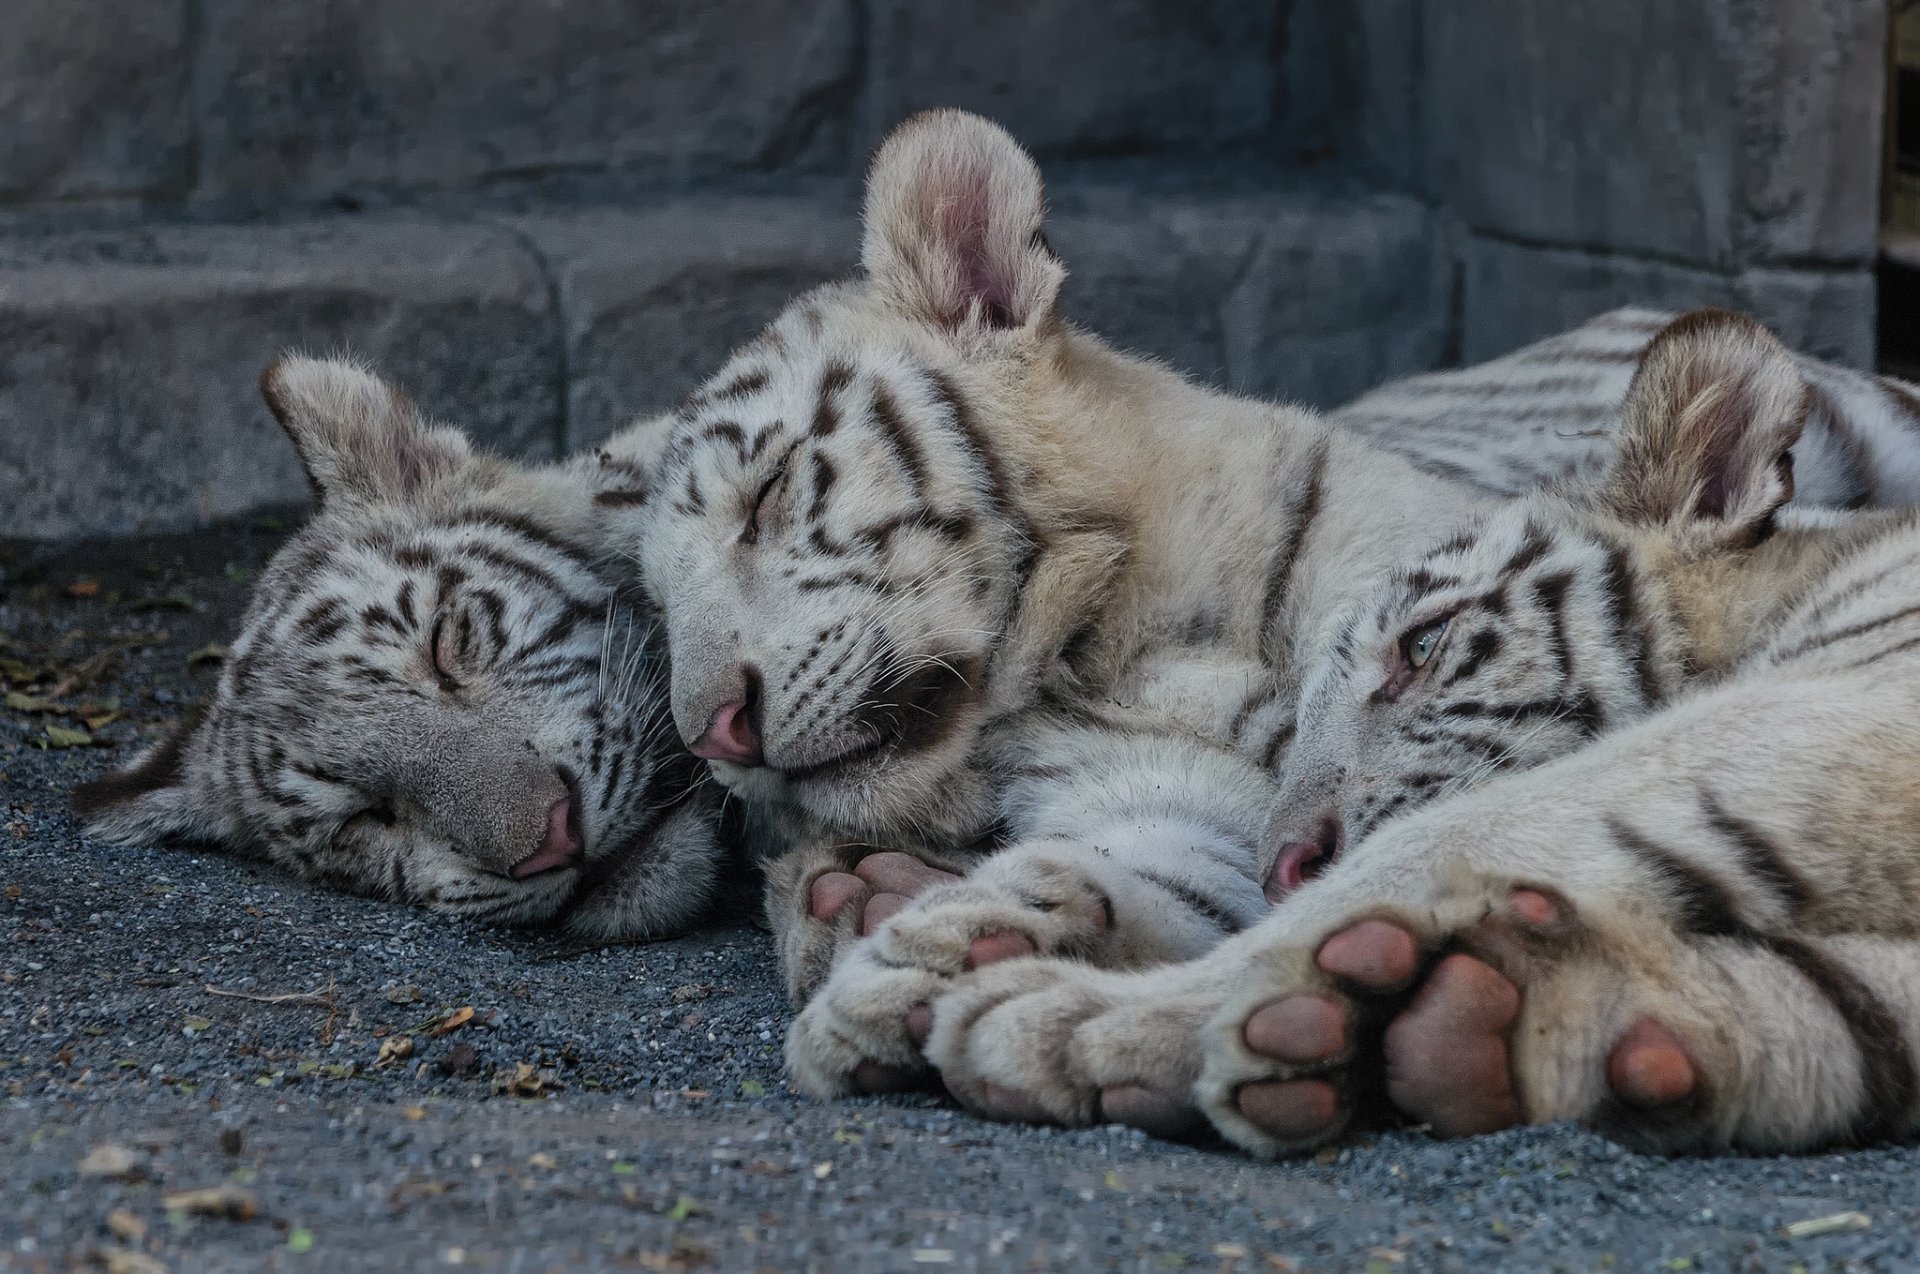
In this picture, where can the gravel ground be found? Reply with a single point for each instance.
(623, 1109)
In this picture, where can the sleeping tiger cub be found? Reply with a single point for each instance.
(1708, 909)
(436, 696)
(941, 573)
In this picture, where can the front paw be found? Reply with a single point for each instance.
(1286, 1058)
(1053, 1041)
(864, 1028)
(824, 901)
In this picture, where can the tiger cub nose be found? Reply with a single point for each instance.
(730, 736)
(733, 733)
(559, 846)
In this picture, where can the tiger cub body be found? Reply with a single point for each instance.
(437, 696)
(939, 572)
(1688, 717)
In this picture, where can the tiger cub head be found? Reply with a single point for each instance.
(434, 697)
(844, 528)
(1523, 635)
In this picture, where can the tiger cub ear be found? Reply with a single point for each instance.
(163, 795)
(1708, 426)
(359, 437)
(953, 226)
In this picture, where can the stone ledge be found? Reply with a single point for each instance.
(1516, 293)
(1300, 295)
(129, 360)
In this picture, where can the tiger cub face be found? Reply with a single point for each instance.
(435, 697)
(1525, 634)
(833, 538)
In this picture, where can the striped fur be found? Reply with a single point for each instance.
(982, 580)
(1546, 413)
(427, 670)
(1735, 855)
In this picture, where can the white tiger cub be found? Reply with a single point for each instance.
(1709, 910)
(939, 571)
(437, 696)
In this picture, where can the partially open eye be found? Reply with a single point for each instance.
(444, 648)
(1419, 644)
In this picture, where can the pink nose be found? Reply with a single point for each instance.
(730, 737)
(1293, 868)
(559, 847)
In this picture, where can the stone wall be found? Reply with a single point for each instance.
(545, 215)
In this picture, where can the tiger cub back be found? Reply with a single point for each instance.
(436, 696)
(1547, 412)
(1523, 635)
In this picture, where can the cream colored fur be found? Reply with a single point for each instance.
(1737, 857)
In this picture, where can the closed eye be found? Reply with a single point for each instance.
(443, 651)
(751, 532)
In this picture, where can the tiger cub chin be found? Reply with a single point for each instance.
(436, 696)
(1529, 632)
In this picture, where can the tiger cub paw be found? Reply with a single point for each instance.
(1375, 1021)
(862, 1031)
(829, 900)
(1523, 1000)
(1054, 1041)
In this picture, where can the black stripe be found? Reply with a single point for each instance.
(1533, 547)
(1287, 555)
(1761, 856)
(899, 436)
(1627, 617)
(1482, 646)
(1704, 904)
(741, 386)
(824, 475)
(826, 415)
(1191, 899)
(322, 622)
(1551, 593)
(527, 529)
(1257, 698)
(999, 490)
(1898, 648)
(1281, 738)
(1887, 1078)
(1820, 641)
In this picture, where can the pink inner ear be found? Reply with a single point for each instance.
(1717, 461)
(410, 465)
(965, 224)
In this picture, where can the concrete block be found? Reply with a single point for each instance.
(1348, 85)
(655, 298)
(1815, 74)
(94, 98)
(129, 361)
(1302, 296)
(1726, 132)
(1513, 294)
(338, 94)
(1296, 295)
(1125, 76)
